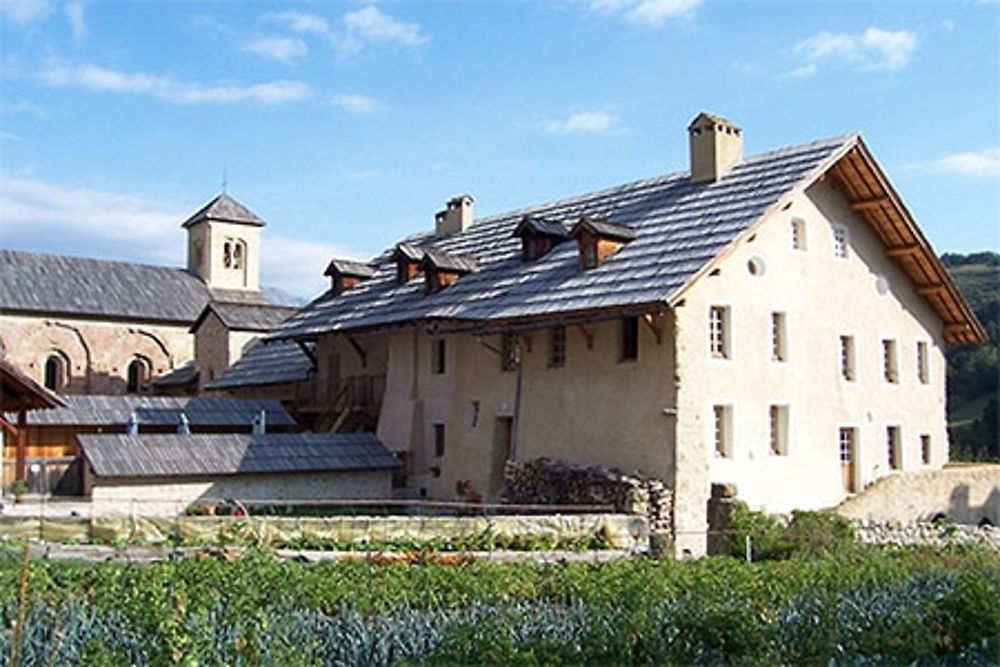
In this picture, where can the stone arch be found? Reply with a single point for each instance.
(56, 370)
(137, 374)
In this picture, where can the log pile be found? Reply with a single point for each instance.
(546, 482)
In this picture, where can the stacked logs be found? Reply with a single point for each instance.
(546, 482)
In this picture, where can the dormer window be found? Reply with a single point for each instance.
(407, 258)
(345, 274)
(599, 239)
(538, 236)
(442, 268)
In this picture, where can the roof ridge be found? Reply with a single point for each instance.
(99, 260)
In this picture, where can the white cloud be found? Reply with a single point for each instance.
(874, 49)
(584, 121)
(802, 72)
(282, 49)
(74, 14)
(92, 77)
(93, 219)
(980, 164)
(359, 105)
(652, 13)
(370, 24)
(301, 22)
(24, 11)
(655, 12)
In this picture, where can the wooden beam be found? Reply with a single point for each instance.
(306, 351)
(654, 327)
(360, 350)
(903, 250)
(588, 334)
(867, 204)
(956, 329)
(21, 467)
(931, 290)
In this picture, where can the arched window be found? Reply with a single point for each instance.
(239, 250)
(227, 254)
(56, 371)
(138, 375)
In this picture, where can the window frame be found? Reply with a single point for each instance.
(894, 447)
(841, 241)
(779, 336)
(628, 338)
(439, 350)
(847, 361)
(925, 449)
(722, 430)
(719, 328)
(798, 231)
(779, 424)
(508, 352)
(890, 361)
(557, 346)
(440, 444)
(923, 363)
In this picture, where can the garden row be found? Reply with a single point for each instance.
(852, 606)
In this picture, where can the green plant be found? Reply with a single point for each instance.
(19, 488)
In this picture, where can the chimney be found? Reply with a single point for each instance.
(716, 147)
(456, 217)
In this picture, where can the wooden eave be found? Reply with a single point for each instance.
(873, 198)
(19, 392)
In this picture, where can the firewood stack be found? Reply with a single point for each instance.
(546, 482)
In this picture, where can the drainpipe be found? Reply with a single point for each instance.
(515, 427)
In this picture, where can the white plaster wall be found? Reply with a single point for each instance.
(823, 297)
(166, 496)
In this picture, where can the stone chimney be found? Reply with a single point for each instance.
(456, 217)
(716, 147)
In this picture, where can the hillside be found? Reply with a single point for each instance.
(974, 370)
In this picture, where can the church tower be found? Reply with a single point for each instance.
(224, 244)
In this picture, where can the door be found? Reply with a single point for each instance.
(848, 454)
(502, 439)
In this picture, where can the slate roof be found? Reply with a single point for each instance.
(265, 364)
(604, 229)
(408, 251)
(680, 226)
(208, 455)
(536, 225)
(446, 261)
(203, 411)
(347, 267)
(178, 377)
(246, 317)
(20, 392)
(225, 209)
(31, 282)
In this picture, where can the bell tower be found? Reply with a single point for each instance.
(224, 244)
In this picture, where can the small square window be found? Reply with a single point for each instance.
(779, 342)
(840, 242)
(798, 233)
(892, 448)
(437, 356)
(557, 347)
(718, 332)
(923, 370)
(589, 255)
(629, 338)
(723, 428)
(890, 364)
(779, 430)
(847, 358)
(438, 440)
(508, 352)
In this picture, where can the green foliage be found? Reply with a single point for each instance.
(808, 534)
(860, 606)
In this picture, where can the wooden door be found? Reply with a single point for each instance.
(848, 455)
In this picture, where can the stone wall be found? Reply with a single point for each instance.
(965, 494)
(937, 534)
(545, 482)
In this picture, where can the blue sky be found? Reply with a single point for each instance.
(347, 125)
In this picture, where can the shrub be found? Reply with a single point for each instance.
(807, 534)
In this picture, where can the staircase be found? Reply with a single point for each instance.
(356, 406)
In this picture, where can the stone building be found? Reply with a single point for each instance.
(89, 326)
(777, 322)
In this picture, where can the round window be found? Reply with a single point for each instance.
(755, 266)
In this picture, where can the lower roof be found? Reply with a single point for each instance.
(207, 455)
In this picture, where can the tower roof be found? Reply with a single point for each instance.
(225, 209)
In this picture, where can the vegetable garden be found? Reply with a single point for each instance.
(855, 606)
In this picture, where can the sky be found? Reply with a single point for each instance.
(347, 125)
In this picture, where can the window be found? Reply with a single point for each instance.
(589, 255)
(925, 449)
(923, 373)
(56, 370)
(722, 415)
(892, 447)
(779, 430)
(239, 252)
(137, 375)
(437, 356)
(890, 367)
(847, 358)
(840, 242)
(438, 440)
(227, 254)
(779, 343)
(557, 347)
(629, 338)
(718, 332)
(846, 445)
(472, 415)
(798, 234)
(508, 352)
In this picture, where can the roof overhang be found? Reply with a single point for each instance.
(19, 392)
